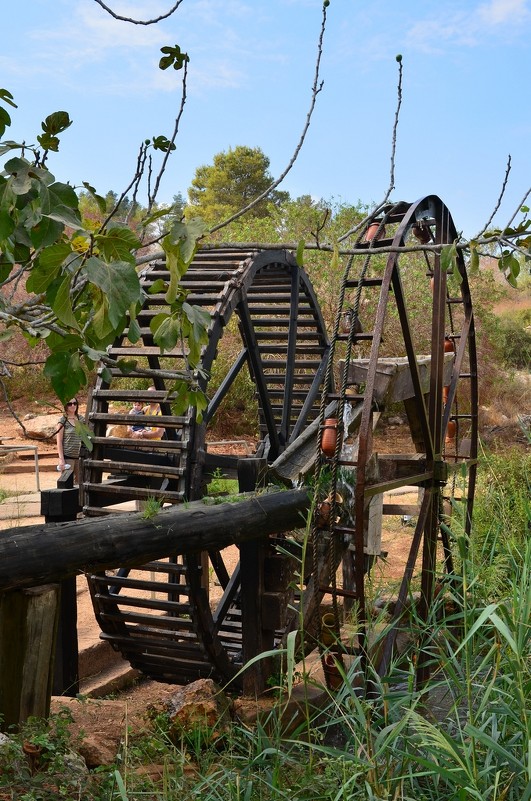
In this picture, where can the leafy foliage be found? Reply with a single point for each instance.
(79, 272)
(234, 179)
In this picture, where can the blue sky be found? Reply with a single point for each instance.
(465, 95)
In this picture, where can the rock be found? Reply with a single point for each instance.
(200, 707)
(396, 420)
(43, 426)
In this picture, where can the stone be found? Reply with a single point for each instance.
(43, 426)
(199, 707)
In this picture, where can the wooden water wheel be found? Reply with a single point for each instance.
(159, 615)
(404, 340)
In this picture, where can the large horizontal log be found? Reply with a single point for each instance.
(35, 555)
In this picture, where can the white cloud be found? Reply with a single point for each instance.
(497, 12)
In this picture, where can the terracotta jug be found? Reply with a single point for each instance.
(329, 436)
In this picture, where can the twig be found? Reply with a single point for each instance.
(152, 198)
(139, 21)
(316, 88)
(9, 406)
(500, 197)
(379, 206)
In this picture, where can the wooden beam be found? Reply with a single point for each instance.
(34, 555)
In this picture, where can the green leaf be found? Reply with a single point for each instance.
(56, 123)
(474, 258)
(133, 331)
(102, 205)
(21, 181)
(300, 253)
(448, 257)
(60, 202)
(166, 330)
(163, 143)
(46, 232)
(7, 225)
(118, 280)
(48, 142)
(127, 366)
(173, 57)
(62, 304)
(7, 97)
(5, 121)
(117, 243)
(65, 373)
(158, 286)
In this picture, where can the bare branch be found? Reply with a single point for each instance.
(152, 198)
(9, 406)
(380, 205)
(139, 21)
(500, 197)
(316, 88)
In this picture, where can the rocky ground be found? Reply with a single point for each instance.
(104, 721)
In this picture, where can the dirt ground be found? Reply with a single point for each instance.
(105, 719)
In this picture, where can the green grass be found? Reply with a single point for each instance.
(464, 737)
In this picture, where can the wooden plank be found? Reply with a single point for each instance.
(34, 555)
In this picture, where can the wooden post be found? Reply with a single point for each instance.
(28, 624)
(255, 637)
(57, 506)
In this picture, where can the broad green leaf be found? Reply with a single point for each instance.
(45, 233)
(474, 258)
(68, 343)
(5, 121)
(100, 322)
(118, 280)
(167, 333)
(57, 122)
(133, 331)
(102, 205)
(18, 169)
(55, 255)
(448, 257)
(127, 366)
(62, 304)
(158, 286)
(300, 253)
(7, 97)
(65, 373)
(7, 224)
(41, 276)
(188, 234)
(48, 142)
(60, 202)
(117, 243)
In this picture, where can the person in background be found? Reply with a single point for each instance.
(137, 426)
(68, 439)
(149, 432)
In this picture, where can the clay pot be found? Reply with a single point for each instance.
(374, 232)
(451, 432)
(324, 511)
(329, 436)
(445, 392)
(331, 671)
(449, 345)
(329, 632)
(422, 233)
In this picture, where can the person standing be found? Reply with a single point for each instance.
(69, 439)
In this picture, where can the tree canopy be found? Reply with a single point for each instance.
(234, 179)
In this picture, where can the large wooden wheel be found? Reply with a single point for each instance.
(417, 348)
(159, 615)
(414, 349)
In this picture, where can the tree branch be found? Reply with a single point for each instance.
(316, 88)
(139, 21)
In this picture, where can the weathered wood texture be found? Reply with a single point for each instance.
(28, 624)
(34, 555)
